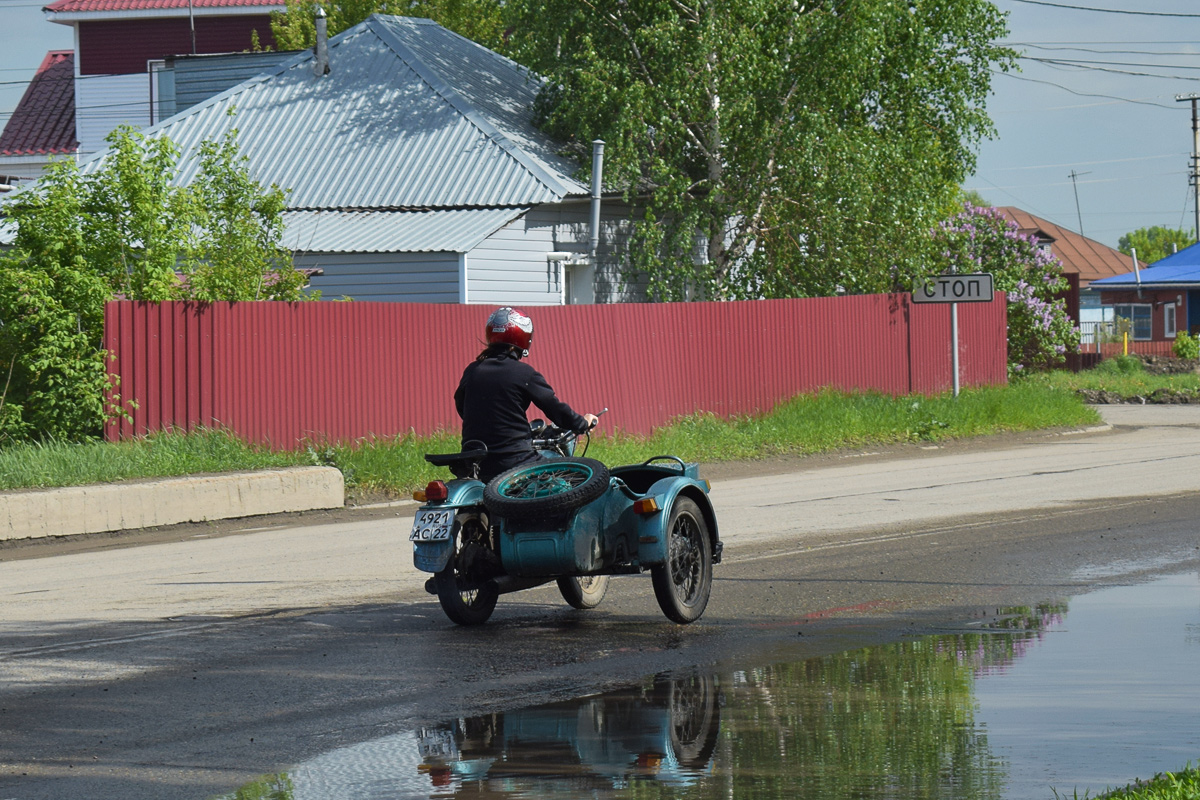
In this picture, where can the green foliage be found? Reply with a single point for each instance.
(51, 463)
(480, 21)
(1182, 785)
(268, 787)
(778, 149)
(235, 253)
(122, 230)
(1125, 377)
(1186, 345)
(982, 240)
(135, 222)
(970, 197)
(1120, 365)
(1154, 243)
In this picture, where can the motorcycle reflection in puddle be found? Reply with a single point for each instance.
(665, 731)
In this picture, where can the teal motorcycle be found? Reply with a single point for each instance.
(567, 519)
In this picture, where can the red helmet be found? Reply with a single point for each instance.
(510, 326)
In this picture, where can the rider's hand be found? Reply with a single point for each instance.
(591, 419)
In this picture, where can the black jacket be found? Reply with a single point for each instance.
(493, 397)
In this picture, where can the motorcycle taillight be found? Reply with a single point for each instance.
(436, 492)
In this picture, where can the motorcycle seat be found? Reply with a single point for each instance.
(464, 459)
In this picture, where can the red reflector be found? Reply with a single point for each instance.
(436, 492)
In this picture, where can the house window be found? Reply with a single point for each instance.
(162, 90)
(1138, 315)
(1169, 320)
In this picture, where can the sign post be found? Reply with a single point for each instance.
(955, 289)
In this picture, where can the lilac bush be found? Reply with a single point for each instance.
(980, 239)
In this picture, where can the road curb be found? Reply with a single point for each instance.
(167, 501)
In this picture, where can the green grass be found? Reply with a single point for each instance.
(1183, 785)
(806, 425)
(1123, 375)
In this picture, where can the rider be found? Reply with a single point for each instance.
(495, 392)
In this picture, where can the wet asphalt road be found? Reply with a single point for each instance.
(185, 668)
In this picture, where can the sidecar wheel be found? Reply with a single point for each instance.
(465, 601)
(551, 488)
(683, 584)
(584, 591)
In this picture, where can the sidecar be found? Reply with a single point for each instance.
(575, 521)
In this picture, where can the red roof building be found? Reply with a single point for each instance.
(43, 123)
(114, 75)
(1081, 256)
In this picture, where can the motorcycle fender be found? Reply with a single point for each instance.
(432, 556)
(652, 530)
(463, 494)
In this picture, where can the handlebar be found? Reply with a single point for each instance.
(553, 436)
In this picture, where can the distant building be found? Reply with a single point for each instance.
(1084, 261)
(415, 172)
(117, 73)
(43, 124)
(1159, 300)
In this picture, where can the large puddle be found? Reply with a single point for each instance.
(1052, 699)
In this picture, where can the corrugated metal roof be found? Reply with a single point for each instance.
(445, 231)
(1087, 258)
(76, 6)
(1177, 269)
(388, 127)
(43, 122)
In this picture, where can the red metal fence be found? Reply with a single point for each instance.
(283, 373)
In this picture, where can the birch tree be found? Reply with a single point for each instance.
(774, 148)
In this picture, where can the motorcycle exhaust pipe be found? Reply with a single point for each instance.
(511, 583)
(504, 584)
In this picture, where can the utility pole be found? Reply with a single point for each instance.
(1194, 178)
(1075, 185)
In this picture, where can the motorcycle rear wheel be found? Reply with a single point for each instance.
(683, 584)
(465, 602)
(583, 591)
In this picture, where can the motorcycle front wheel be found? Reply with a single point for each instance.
(683, 584)
(466, 601)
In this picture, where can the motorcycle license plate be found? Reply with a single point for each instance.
(437, 743)
(432, 525)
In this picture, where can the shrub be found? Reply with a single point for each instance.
(1186, 346)
(1121, 365)
(1040, 333)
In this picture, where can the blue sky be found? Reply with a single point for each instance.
(1124, 136)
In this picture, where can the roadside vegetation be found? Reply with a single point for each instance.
(1125, 377)
(1184, 785)
(808, 424)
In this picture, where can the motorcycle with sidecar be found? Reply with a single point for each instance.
(568, 519)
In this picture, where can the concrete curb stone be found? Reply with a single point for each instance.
(167, 501)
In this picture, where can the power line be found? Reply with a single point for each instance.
(1084, 61)
(1093, 163)
(1125, 42)
(1180, 53)
(1063, 64)
(1014, 76)
(1109, 10)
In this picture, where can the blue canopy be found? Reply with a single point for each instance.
(1178, 270)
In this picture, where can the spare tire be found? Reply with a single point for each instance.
(546, 489)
